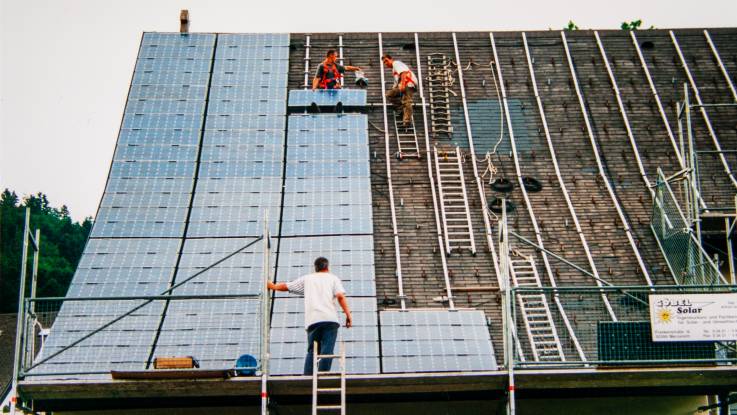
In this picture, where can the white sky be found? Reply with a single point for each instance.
(65, 66)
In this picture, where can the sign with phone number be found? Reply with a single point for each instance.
(693, 317)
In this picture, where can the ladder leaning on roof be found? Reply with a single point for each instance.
(406, 138)
(544, 340)
(455, 212)
(317, 376)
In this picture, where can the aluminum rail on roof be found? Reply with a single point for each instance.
(389, 182)
(656, 96)
(307, 62)
(721, 65)
(340, 57)
(702, 109)
(428, 157)
(666, 123)
(479, 182)
(561, 183)
(602, 173)
(623, 112)
(530, 210)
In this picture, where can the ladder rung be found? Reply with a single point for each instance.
(328, 374)
(329, 407)
(331, 356)
(329, 390)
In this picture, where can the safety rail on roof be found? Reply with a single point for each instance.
(564, 189)
(686, 257)
(528, 204)
(628, 342)
(600, 166)
(69, 332)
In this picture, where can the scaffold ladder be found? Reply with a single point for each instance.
(439, 82)
(538, 320)
(319, 389)
(406, 137)
(454, 203)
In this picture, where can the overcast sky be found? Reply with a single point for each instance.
(65, 66)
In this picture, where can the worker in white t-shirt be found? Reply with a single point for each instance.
(320, 290)
(405, 84)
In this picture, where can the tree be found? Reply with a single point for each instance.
(571, 26)
(62, 242)
(633, 25)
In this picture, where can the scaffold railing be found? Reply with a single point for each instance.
(627, 341)
(687, 260)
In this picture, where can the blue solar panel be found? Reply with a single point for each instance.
(329, 97)
(253, 78)
(159, 136)
(254, 137)
(328, 122)
(168, 92)
(166, 121)
(164, 64)
(140, 152)
(165, 106)
(262, 106)
(249, 66)
(274, 153)
(247, 52)
(328, 137)
(339, 168)
(193, 51)
(178, 39)
(147, 184)
(170, 77)
(217, 185)
(240, 169)
(329, 152)
(153, 169)
(254, 39)
(244, 122)
(244, 92)
(430, 340)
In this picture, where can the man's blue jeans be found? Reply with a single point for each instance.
(324, 333)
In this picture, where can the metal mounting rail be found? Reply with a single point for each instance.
(407, 145)
(317, 390)
(454, 201)
(702, 109)
(428, 157)
(528, 203)
(623, 112)
(561, 183)
(387, 156)
(656, 96)
(438, 79)
(307, 63)
(474, 162)
(536, 316)
(340, 58)
(602, 173)
(721, 64)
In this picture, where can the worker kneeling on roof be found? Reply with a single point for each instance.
(330, 72)
(405, 83)
(320, 290)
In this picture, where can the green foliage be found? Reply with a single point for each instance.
(633, 25)
(62, 242)
(571, 26)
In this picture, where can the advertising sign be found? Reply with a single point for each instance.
(693, 317)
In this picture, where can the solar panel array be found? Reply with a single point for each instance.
(137, 235)
(202, 150)
(435, 341)
(240, 175)
(327, 212)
